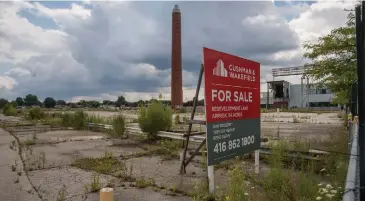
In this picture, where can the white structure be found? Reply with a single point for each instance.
(264, 98)
(315, 97)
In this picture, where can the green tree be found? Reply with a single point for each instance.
(31, 100)
(9, 109)
(334, 59)
(140, 102)
(19, 101)
(60, 102)
(49, 102)
(94, 104)
(83, 103)
(108, 102)
(3, 102)
(120, 101)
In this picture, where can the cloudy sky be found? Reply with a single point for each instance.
(99, 50)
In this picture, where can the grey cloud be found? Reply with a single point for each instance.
(121, 35)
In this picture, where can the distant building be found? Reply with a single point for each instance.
(283, 94)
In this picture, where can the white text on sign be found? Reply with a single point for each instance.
(233, 144)
(226, 96)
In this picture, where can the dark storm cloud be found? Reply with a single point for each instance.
(115, 45)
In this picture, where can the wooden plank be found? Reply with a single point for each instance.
(195, 133)
(194, 121)
(195, 101)
(194, 153)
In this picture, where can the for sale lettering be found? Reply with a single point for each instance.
(225, 96)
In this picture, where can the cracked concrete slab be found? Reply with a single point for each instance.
(64, 153)
(50, 182)
(13, 187)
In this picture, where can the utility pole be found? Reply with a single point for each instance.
(360, 45)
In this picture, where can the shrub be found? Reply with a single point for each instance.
(177, 119)
(287, 185)
(35, 113)
(77, 120)
(66, 119)
(9, 110)
(154, 118)
(118, 123)
(236, 186)
(182, 110)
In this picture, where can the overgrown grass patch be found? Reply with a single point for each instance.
(169, 148)
(119, 126)
(106, 164)
(35, 114)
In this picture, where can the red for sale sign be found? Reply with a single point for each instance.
(232, 102)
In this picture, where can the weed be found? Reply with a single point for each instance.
(169, 148)
(95, 185)
(61, 196)
(131, 167)
(185, 119)
(86, 191)
(9, 110)
(201, 193)
(77, 120)
(106, 164)
(13, 168)
(182, 110)
(118, 123)
(29, 142)
(16, 181)
(295, 120)
(35, 113)
(236, 185)
(142, 183)
(177, 119)
(42, 158)
(123, 172)
(19, 173)
(13, 145)
(204, 157)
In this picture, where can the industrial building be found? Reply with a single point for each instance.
(282, 94)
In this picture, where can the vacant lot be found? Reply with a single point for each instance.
(40, 162)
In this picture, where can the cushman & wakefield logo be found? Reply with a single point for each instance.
(235, 72)
(220, 70)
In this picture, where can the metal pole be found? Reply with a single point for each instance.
(360, 44)
(307, 92)
(267, 96)
(302, 92)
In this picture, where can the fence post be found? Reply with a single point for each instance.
(256, 162)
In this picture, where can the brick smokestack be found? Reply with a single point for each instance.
(176, 73)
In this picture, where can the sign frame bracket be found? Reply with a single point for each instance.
(185, 162)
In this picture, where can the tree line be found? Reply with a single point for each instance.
(49, 102)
